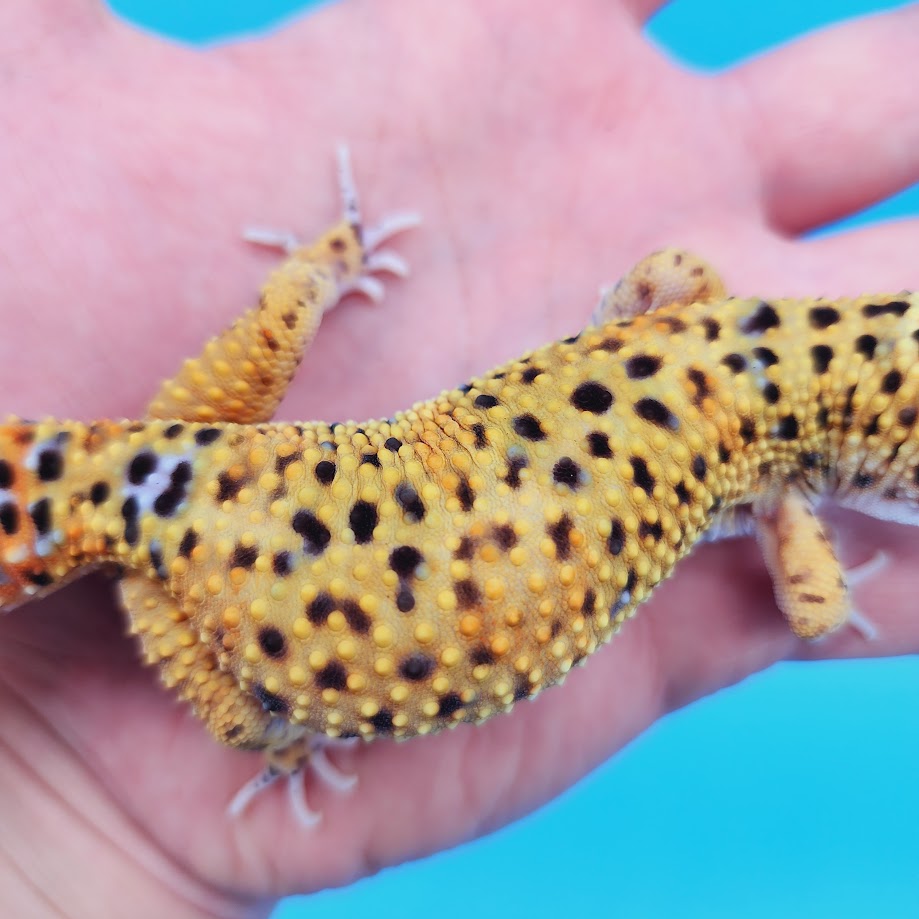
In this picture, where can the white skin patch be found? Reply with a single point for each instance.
(150, 485)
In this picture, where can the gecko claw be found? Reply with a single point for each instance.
(294, 763)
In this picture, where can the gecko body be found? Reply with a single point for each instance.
(400, 576)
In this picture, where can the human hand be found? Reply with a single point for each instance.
(548, 152)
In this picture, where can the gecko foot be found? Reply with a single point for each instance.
(293, 763)
(858, 575)
(375, 259)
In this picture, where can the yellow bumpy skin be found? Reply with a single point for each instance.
(396, 577)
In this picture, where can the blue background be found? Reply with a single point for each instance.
(794, 794)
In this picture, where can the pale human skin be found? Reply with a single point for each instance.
(128, 167)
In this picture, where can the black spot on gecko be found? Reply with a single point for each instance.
(282, 564)
(515, 464)
(243, 556)
(318, 609)
(810, 460)
(40, 578)
(892, 381)
(392, 444)
(407, 498)
(505, 536)
(481, 655)
(282, 462)
(747, 429)
(656, 412)
(481, 441)
(863, 480)
(642, 366)
(771, 393)
(763, 318)
(371, 459)
(871, 428)
(907, 416)
(522, 687)
(866, 346)
(130, 511)
(641, 475)
(416, 667)
(188, 543)
(324, 472)
(315, 533)
(484, 400)
(363, 519)
(9, 518)
(712, 328)
(766, 356)
(466, 494)
(271, 641)
(382, 721)
(173, 431)
(699, 467)
(448, 705)
(653, 530)
(156, 561)
(528, 426)
(589, 606)
(821, 356)
(724, 454)
(560, 534)
(736, 363)
(466, 549)
(166, 503)
(674, 322)
(332, 676)
(141, 466)
(6, 474)
(50, 464)
(467, 593)
(404, 560)
(567, 472)
(616, 540)
(598, 445)
(822, 317)
(592, 397)
(787, 428)
(99, 492)
(682, 492)
(356, 618)
(612, 345)
(894, 308)
(698, 379)
(405, 599)
(530, 374)
(206, 436)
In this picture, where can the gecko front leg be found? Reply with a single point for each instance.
(241, 376)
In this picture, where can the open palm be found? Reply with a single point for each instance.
(548, 150)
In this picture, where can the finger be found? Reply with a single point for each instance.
(27, 27)
(833, 118)
(873, 259)
(643, 10)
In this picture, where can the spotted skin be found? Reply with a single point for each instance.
(397, 577)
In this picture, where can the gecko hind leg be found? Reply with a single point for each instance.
(669, 276)
(811, 586)
(233, 715)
